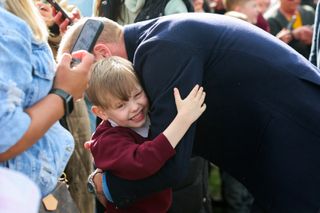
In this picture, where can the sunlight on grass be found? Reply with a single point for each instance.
(215, 183)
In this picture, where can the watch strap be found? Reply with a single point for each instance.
(67, 100)
(91, 187)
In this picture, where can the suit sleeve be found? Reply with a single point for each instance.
(161, 67)
(120, 155)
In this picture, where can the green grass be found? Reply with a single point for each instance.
(215, 183)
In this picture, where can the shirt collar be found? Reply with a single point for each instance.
(143, 131)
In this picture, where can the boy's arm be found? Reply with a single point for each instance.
(117, 151)
(189, 110)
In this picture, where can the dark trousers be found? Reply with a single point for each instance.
(192, 194)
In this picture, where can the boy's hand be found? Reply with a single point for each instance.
(192, 106)
(87, 145)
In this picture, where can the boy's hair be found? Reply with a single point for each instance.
(232, 4)
(113, 77)
(111, 33)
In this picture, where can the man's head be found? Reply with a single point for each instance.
(105, 46)
(116, 93)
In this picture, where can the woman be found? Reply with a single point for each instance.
(33, 142)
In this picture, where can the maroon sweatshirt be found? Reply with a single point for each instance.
(126, 154)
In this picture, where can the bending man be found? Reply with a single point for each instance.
(263, 104)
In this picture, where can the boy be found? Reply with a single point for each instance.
(120, 143)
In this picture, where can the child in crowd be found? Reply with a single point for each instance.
(120, 144)
(248, 8)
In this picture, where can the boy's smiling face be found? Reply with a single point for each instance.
(131, 113)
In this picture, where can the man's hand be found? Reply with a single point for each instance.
(97, 180)
(304, 34)
(285, 35)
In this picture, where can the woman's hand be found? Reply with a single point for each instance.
(64, 23)
(74, 80)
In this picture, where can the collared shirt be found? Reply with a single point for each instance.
(26, 76)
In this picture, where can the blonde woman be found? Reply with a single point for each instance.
(32, 141)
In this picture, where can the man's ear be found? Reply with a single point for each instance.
(101, 51)
(99, 112)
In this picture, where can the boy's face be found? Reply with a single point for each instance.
(250, 9)
(131, 113)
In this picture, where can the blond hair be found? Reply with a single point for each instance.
(111, 33)
(111, 78)
(26, 10)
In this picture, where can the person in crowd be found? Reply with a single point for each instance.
(216, 6)
(120, 143)
(263, 6)
(247, 7)
(201, 6)
(34, 96)
(80, 163)
(292, 23)
(258, 132)
(315, 48)
(312, 3)
(18, 193)
(130, 11)
(48, 13)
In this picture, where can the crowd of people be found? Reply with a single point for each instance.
(169, 88)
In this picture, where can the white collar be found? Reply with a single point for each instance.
(143, 131)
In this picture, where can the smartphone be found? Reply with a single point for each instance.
(59, 8)
(87, 37)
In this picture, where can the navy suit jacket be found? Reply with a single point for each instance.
(262, 122)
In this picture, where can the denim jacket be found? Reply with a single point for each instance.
(26, 76)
